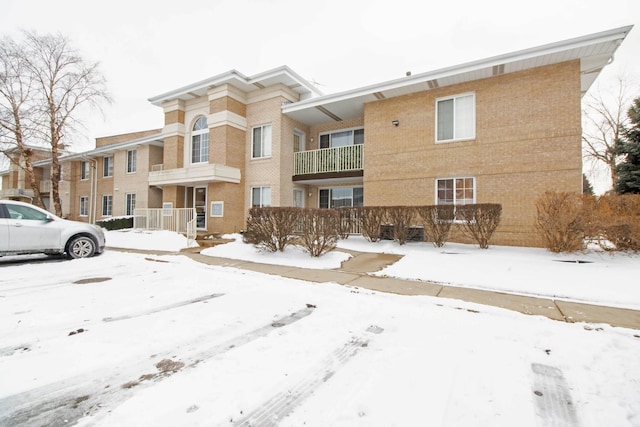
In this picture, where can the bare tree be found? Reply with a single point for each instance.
(45, 83)
(65, 83)
(605, 117)
(17, 112)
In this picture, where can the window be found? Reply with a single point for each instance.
(84, 206)
(260, 197)
(339, 197)
(261, 142)
(84, 171)
(455, 191)
(217, 209)
(132, 161)
(107, 166)
(107, 205)
(130, 204)
(200, 141)
(456, 118)
(342, 138)
(167, 209)
(25, 212)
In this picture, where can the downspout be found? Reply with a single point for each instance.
(94, 189)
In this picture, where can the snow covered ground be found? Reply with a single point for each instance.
(128, 339)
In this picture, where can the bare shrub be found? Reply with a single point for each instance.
(271, 228)
(618, 221)
(372, 218)
(560, 221)
(401, 217)
(437, 221)
(319, 230)
(479, 221)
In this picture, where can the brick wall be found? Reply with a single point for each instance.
(528, 140)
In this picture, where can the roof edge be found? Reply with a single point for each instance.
(603, 36)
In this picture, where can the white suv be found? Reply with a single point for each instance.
(27, 229)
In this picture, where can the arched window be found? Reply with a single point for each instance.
(200, 141)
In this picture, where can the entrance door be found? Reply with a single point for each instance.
(200, 203)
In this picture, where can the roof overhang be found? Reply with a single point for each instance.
(281, 75)
(194, 175)
(594, 52)
(155, 140)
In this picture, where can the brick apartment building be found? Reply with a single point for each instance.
(499, 130)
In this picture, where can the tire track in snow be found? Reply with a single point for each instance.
(553, 403)
(271, 412)
(12, 349)
(161, 308)
(65, 402)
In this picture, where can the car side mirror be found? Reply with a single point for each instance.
(48, 218)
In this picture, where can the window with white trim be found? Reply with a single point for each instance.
(338, 197)
(261, 142)
(84, 171)
(217, 209)
(455, 191)
(456, 118)
(342, 138)
(107, 166)
(107, 205)
(260, 197)
(132, 161)
(84, 206)
(130, 203)
(200, 141)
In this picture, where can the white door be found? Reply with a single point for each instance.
(29, 229)
(298, 198)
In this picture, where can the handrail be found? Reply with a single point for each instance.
(177, 219)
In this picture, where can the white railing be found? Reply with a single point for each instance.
(157, 168)
(191, 231)
(338, 159)
(179, 220)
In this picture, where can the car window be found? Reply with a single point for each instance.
(25, 212)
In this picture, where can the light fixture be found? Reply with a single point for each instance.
(395, 123)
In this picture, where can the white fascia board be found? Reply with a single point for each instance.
(285, 70)
(158, 138)
(548, 49)
(200, 85)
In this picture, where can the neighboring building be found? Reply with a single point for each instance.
(110, 180)
(15, 182)
(499, 130)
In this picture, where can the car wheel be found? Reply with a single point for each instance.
(81, 247)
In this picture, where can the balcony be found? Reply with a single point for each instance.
(346, 161)
(16, 192)
(193, 175)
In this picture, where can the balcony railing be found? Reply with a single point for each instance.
(338, 159)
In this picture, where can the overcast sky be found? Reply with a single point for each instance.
(146, 48)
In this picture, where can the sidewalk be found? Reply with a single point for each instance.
(354, 273)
